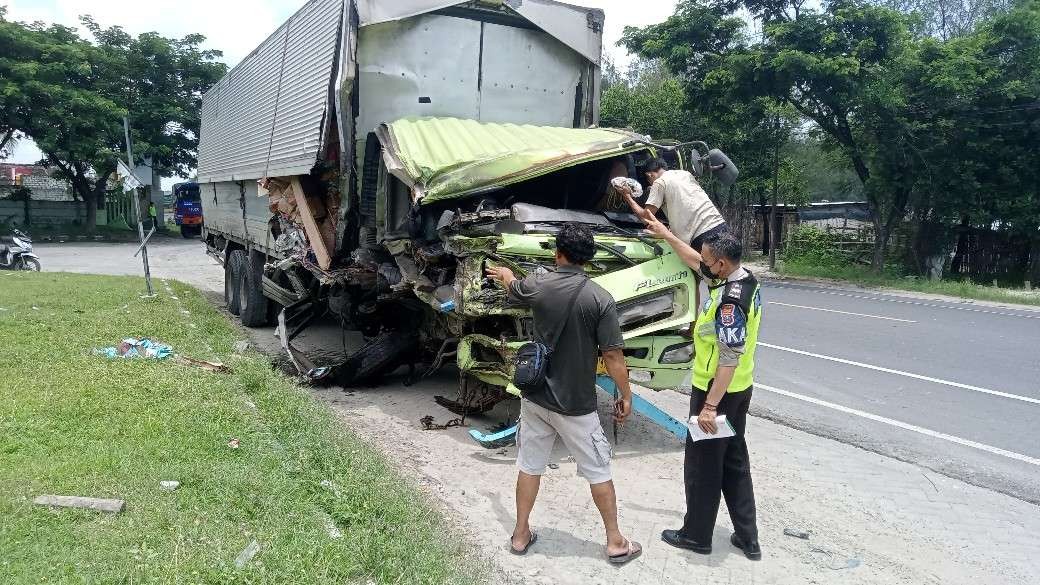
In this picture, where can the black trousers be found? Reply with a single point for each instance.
(719, 467)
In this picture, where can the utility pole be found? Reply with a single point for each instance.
(137, 211)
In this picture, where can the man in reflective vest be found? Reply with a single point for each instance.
(724, 338)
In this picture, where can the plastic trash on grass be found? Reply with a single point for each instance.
(133, 347)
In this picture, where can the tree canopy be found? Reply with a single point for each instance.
(69, 95)
(940, 126)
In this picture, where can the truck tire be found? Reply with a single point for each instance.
(377, 358)
(236, 259)
(187, 232)
(251, 299)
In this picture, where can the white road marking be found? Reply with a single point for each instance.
(842, 312)
(902, 373)
(889, 299)
(903, 425)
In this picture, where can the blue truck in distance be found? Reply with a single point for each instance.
(187, 208)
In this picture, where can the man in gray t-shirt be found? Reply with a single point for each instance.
(568, 408)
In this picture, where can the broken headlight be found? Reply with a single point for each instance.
(679, 353)
(646, 310)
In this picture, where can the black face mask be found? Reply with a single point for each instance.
(707, 272)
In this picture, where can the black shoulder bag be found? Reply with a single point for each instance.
(532, 359)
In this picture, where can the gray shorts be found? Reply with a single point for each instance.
(582, 435)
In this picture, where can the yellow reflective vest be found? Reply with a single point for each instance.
(734, 325)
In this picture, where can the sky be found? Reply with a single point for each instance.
(236, 27)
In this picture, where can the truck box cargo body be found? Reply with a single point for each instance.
(370, 159)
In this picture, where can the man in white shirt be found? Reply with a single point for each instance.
(692, 217)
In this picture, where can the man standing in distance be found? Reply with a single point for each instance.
(724, 337)
(567, 409)
(692, 216)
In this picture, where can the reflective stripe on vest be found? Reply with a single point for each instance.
(705, 340)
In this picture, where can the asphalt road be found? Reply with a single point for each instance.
(952, 386)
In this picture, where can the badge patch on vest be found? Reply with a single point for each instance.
(726, 315)
(731, 325)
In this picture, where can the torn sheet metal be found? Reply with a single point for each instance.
(443, 158)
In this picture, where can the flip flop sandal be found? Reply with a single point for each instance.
(534, 539)
(623, 558)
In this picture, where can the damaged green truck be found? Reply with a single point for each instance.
(370, 159)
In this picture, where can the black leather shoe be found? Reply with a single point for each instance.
(676, 539)
(750, 548)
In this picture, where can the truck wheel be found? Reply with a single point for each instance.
(378, 357)
(252, 302)
(233, 267)
(187, 232)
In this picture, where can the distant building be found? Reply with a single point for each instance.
(845, 216)
(36, 178)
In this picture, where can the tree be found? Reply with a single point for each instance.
(160, 81)
(70, 95)
(49, 79)
(832, 66)
(945, 19)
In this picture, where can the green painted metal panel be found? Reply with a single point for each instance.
(444, 158)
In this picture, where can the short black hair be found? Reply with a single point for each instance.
(725, 245)
(654, 165)
(576, 243)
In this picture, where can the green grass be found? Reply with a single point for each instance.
(863, 276)
(78, 424)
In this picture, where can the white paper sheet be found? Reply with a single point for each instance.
(724, 429)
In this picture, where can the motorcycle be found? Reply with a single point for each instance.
(16, 253)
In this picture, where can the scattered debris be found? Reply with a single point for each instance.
(234, 443)
(247, 554)
(97, 504)
(803, 534)
(428, 424)
(169, 484)
(241, 346)
(35, 308)
(209, 366)
(133, 347)
(554, 466)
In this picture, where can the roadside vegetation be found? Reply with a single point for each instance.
(322, 506)
(813, 253)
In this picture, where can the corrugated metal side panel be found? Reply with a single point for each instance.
(304, 94)
(264, 116)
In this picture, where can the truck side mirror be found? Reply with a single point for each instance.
(722, 167)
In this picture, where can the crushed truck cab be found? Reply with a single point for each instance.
(454, 197)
